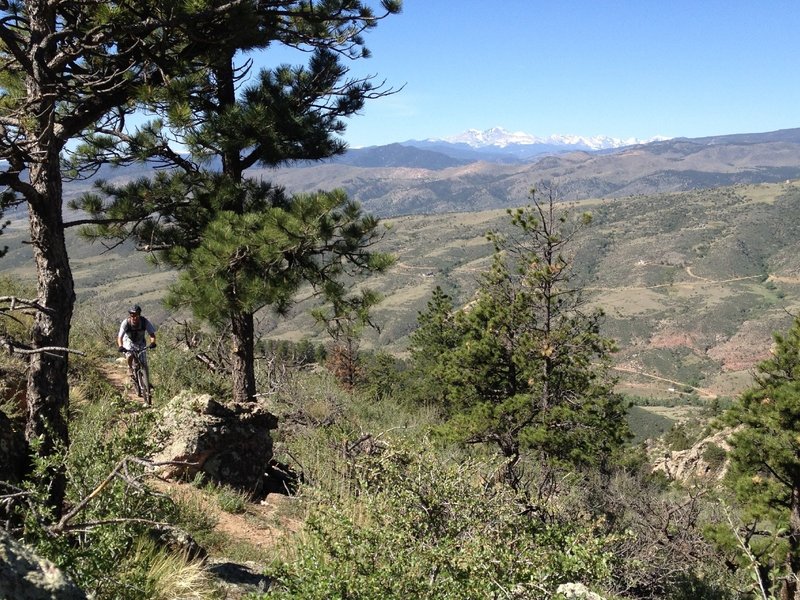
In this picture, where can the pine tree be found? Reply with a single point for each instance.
(67, 68)
(523, 366)
(434, 338)
(248, 241)
(765, 461)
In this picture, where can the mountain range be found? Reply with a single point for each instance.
(484, 170)
(465, 174)
(521, 144)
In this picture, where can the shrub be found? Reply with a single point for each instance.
(424, 529)
(677, 438)
(714, 456)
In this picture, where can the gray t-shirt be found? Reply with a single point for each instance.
(135, 335)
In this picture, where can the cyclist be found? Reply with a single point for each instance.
(132, 333)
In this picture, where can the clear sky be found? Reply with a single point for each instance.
(625, 68)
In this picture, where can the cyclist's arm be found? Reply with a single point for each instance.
(120, 334)
(151, 331)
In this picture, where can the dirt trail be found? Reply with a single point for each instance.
(699, 281)
(262, 525)
(703, 393)
(116, 374)
(781, 279)
(691, 274)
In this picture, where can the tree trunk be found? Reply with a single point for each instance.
(243, 357)
(48, 388)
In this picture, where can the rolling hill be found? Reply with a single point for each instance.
(693, 281)
(693, 284)
(399, 180)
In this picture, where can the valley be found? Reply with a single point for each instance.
(693, 284)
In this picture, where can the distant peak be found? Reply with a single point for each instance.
(499, 137)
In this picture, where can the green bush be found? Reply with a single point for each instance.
(714, 456)
(175, 368)
(101, 438)
(422, 528)
(677, 438)
(100, 545)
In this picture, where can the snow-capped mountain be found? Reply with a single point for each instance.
(502, 138)
(500, 145)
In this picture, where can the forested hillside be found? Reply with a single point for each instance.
(692, 284)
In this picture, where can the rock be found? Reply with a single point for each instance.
(577, 591)
(25, 576)
(686, 465)
(229, 443)
(239, 580)
(178, 541)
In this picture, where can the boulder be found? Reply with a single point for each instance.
(691, 464)
(239, 580)
(229, 443)
(25, 576)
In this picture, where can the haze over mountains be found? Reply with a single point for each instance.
(433, 176)
(483, 170)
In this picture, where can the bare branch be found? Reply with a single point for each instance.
(14, 301)
(89, 525)
(746, 549)
(13, 347)
(121, 471)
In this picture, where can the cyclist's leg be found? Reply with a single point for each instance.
(145, 388)
(133, 369)
(146, 367)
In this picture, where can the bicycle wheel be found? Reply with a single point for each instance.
(135, 376)
(144, 385)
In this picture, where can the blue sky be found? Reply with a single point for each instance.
(636, 68)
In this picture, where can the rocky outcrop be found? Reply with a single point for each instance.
(578, 591)
(229, 443)
(705, 460)
(25, 576)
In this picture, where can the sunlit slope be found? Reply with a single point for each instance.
(693, 284)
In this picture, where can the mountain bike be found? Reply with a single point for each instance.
(140, 373)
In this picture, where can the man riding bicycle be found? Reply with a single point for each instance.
(132, 333)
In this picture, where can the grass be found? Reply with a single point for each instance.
(646, 424)
(170, 576)
(229, 499)
(676, 414)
